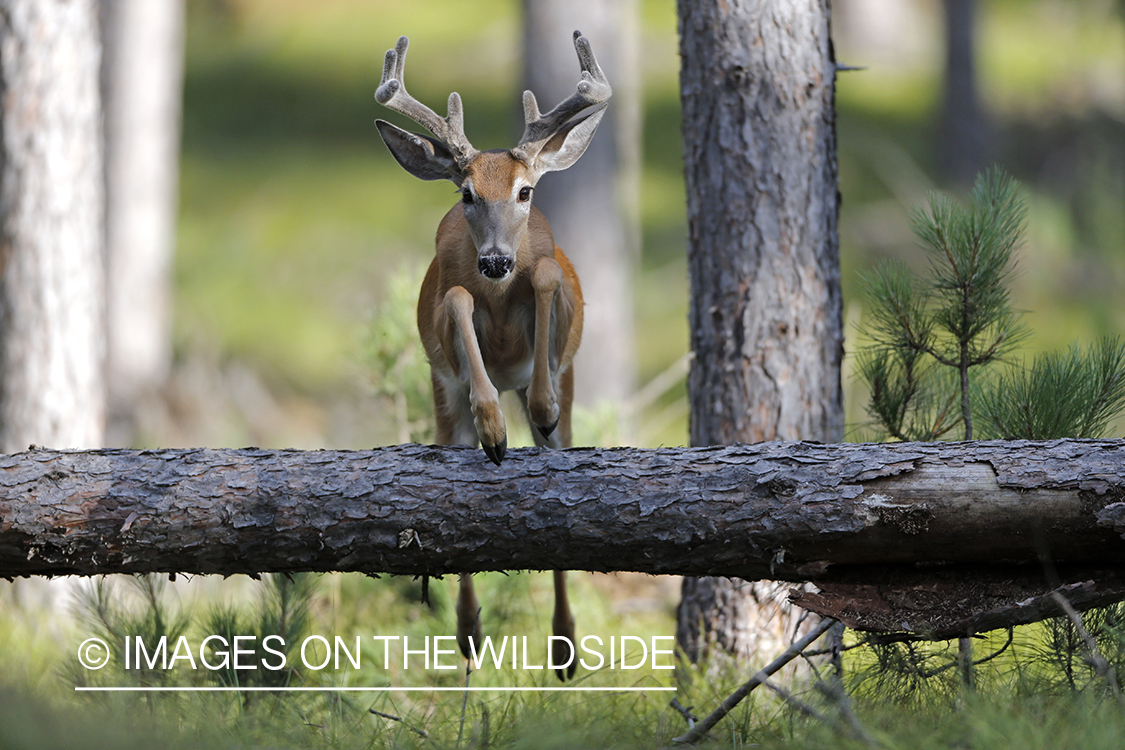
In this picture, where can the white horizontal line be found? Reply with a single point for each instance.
(391, 689)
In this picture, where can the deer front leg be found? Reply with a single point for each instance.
(542, 401)
(459, 341)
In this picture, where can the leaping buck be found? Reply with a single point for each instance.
(500, 307)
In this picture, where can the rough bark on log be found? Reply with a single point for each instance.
(833, 514)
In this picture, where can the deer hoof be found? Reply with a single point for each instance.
(496, 452)
(567, 673)
(548, 429)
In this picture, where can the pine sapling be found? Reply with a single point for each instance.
(958, 318)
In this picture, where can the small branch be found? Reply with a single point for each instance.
(966, 410)
(940, 359)
(965, 661)
(834, 691)
(797, 703)
(997, 652)
(833, 651)
(958, 663)
(1097, 661)
(684, 712)
(697, 732)
(416, 730)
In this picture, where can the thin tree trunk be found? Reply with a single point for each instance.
(593, 206)
(142, 74)
(51, 225)
(966, 132)
(757, 86)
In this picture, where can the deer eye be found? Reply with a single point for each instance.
(525, 194)
(467, 196)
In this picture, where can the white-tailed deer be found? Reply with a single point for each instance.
(500, 307)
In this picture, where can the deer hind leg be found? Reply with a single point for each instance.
(462, 350)
(543, 406)
(468, 617)
(562, 621)
(562, 624)
(560, 437)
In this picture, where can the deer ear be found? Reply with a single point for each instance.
(424, 157)
(564, 148)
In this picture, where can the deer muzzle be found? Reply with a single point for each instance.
(495, 265)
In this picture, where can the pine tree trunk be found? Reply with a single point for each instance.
(757, 87)
(142, 73)
(966, 141)
(51, 272)
(593, 206)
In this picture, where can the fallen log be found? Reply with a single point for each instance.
(1038, 513)
(946, 604)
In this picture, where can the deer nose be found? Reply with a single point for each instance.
(495, 265)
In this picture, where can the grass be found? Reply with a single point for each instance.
(1014, 705)
(1021, 700)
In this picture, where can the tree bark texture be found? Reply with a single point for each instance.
(911, 515)
(757, 87)
(51, 225)
(142, 88)
(594, 207)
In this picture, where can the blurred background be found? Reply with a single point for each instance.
(299, 242)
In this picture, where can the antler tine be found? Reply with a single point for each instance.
(592, 89)
(392, 94)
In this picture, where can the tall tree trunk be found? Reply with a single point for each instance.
(593, 206)
(757, 87)
(142, 74)
(966, 146)
(966, 143)
(51, 225)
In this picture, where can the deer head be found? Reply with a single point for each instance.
(496, 186)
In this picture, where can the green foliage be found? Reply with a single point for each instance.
(396, 361)
(1071, 394)
(142, 611)
(958, 318)
(111, 617)
(928, 334)
(971, 252)
(283, 611)
(1064, 658)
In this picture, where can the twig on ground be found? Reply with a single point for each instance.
(399, 719)
(1101, 666)
(684, 712)
(797, 703)
(464, 702)
(697, 732)
(835, 692)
